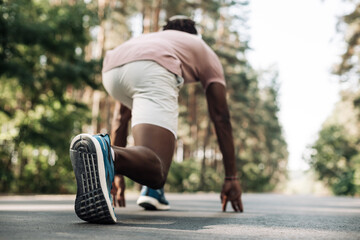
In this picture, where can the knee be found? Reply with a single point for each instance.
(162, 181)
(156, 174)
(158, 181)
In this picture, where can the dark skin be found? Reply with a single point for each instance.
(148, 162)
(119, 133)
(220, 116)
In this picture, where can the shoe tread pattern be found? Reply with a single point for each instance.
(90, 203)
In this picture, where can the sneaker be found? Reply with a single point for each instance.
(93, 165)
(153, 199)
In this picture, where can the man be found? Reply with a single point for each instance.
(145, 75)
(150, 199)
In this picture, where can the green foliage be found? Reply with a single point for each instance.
(255, 179)
(348, 25)
(262, 150)
(336, 160)
(41, 65)
(184, 177)
(335, 156)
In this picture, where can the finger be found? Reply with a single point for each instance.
(241, 205)
(234, 206)
(224, 203)
(118, 201)
(113, 200)
(122, 203)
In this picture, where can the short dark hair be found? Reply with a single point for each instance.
(181, 23)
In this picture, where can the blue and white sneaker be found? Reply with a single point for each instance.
(153, 199)
(93, 165)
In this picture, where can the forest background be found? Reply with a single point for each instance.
(50, 75)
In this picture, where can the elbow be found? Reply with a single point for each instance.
(159, 176)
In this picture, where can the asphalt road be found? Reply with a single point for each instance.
(193, 216)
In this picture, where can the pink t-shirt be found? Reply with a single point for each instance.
(181, 53)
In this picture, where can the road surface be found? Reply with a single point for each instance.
(193, 216)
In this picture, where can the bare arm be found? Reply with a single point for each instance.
(220, 116)
(120, 123)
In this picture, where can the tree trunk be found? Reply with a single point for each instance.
(151, 13)
(192, 108)
(156, 15)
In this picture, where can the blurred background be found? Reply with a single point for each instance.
(292, 74)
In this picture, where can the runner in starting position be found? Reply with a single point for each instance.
(145, 74)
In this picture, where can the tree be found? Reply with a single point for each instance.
(335, 155)
(42, 64)
(348, 68)
(334, 158)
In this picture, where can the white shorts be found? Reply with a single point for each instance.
(149, 90)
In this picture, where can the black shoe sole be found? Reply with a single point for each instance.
(90, 202)
(148, 206)
(150, 203)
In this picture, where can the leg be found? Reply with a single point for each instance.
(151, 92)
(148, 162)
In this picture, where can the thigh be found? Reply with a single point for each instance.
(160, 140)
(155, 98)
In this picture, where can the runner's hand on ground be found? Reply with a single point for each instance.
(118, 191)
(231, 192)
